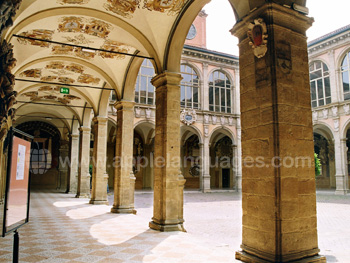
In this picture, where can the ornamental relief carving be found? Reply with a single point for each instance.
(188, 116)
(257, 33)
(72, 2)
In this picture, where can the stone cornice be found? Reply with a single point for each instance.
(210, 56)
(329, 43)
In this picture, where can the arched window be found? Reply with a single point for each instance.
(189, 88)
(320, 84)
(345, 71)
(219, 92)
(144, 90)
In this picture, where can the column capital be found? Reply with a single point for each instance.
(167, 78)
(124, 105)
(84, 129)
(274, 14)
(74, 136)
(100, 119)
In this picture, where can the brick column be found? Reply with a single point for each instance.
(123, 176)
(279, 193)
(168, 181)
(74, 163)
(83, 189)
(99, 174)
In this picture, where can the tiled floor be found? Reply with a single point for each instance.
(66, 229)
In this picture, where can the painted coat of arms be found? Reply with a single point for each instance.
(172, 7)
(123, 8)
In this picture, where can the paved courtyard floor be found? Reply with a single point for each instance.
(65, 229)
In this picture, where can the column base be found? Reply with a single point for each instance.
(249, 258)
(97, 202)
(82, 196)
(206, 190)
(123, 210)
(166, 228)
(341, 192)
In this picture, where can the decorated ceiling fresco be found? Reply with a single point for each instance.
(58, 71)
(88, 31)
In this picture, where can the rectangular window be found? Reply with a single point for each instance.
(327, 87)
(313, 90)
(228, 97)
(211, 101)
(320, 88)
(195, 95)
(347, 96)
(223, 98)
(346, 81)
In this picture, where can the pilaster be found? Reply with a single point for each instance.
(124, 178)
(83, 189)
(99, 174)
(168, 181)
(278, 183)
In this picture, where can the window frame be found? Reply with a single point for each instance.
(146, 64)
(227, 88)
(315, 81)
(189, 102)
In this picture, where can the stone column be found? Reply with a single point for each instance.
(123, 175)
(340, 150)
(63, 169)
(83, 189)
(99, 174)
(278, 184)
(74, 163)
(205, 165)
(233, 178)
(168, 184)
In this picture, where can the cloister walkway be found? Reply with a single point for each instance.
(65, 229)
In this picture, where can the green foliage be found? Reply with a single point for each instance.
(317, 165)
(90, 169)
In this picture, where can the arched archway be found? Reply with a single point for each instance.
(45, 155)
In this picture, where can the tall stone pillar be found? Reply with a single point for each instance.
(205, 88)
(74, 163)
(340, 150)
(239, 157)
(99, 174)
(168, 181)
(278, 184)
(83, 189)
(123, 176)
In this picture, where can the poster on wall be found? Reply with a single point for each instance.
(16, 209)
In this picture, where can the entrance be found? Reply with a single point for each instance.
(225, 178)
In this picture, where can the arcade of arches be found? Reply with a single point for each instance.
(71, 54)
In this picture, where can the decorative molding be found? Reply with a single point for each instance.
(346, 109)
(335, 111)
(188, 116)
(206, 130)
(325, 113)
(213, 118)
(148, 113)
(336, 124)
(137, 112)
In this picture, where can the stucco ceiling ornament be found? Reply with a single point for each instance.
(88, 79)
(257, 33)
(113, 46)
(123, 8)
(188, 116)
(31, 73)
(36, 33)
(72, 2)
(78, 40)
(172, 7)
(71, 24)
(55, 65)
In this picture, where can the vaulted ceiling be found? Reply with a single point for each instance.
(93, 47)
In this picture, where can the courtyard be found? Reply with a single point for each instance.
(66, 229)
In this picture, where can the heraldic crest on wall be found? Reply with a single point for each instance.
(257, 34)
(188, 116)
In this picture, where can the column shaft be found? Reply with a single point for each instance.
(124, 179)
(205, 152)
(340, 149)
(83, 189)
(74, 163)
(99, 175)
(278, 184)
(168, 181)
